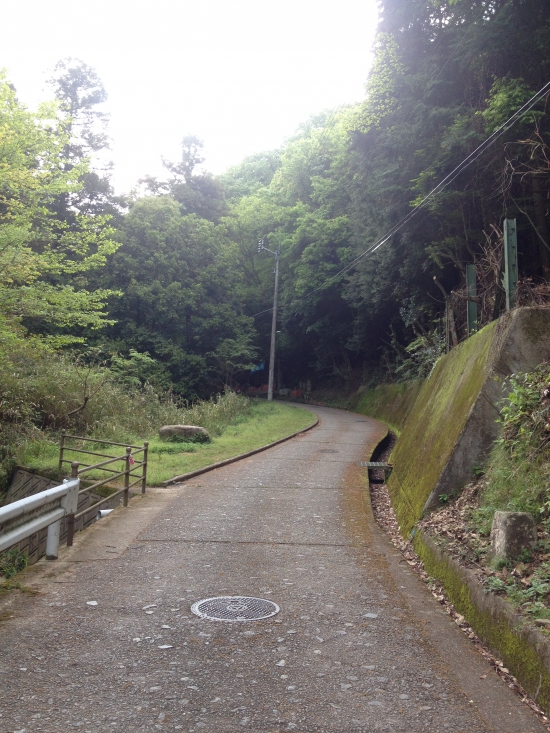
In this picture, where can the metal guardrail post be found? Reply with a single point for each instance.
(144, 477)
(127, 476)
(61, 449)
(52, 541)
(70, 518)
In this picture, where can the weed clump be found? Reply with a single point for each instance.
(12, 562)
(518, 472)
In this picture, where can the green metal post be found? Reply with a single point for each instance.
(510, 262)
(471, 292)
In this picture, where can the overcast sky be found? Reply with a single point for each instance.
(240, 74)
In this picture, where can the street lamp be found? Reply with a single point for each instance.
(261, 246)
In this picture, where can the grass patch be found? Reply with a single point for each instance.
(267, 422)
(261, 423)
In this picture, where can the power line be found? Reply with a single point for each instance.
(449, 178)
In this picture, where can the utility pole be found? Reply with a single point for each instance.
(261, 246)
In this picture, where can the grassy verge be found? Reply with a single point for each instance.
(264, 423)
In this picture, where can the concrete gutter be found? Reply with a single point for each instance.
(227, 461)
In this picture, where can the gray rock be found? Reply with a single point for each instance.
(192, 432)
(511, 533)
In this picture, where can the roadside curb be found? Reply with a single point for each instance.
(521, 646)
(227, 461)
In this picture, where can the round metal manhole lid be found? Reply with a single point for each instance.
(235, 608)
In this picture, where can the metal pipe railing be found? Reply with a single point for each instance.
(25, 517)
(129, 471)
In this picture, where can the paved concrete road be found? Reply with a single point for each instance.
(109, 642)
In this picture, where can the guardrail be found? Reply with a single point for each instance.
(22, 518)
(78, 469)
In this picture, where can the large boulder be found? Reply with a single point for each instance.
(191, 433)
(511, 533)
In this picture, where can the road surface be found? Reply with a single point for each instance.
(359, 645)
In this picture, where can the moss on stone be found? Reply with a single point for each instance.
(391, 403)
(499, 631)
(434, 426)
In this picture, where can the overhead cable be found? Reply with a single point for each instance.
(449, 178)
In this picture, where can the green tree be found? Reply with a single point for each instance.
(81, 94)
(182, 297)
(36, 247)
(196, 191)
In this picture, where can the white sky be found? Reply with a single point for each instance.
(240, 74)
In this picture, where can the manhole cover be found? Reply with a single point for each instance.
(235, 608)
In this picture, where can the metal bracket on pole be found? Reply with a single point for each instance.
(510, 262)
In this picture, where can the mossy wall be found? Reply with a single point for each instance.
(391, 403)
(435, 425)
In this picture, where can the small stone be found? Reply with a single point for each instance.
(149, 613)
(403, 697)
(370, 615)
(345, 686)
(166, 646)
(91, 603)
(316, 651)
(544, 622)
(375, 702)
(150, 605)
(184, 431)
(511, 533)
(136, 639)
(164, 626)
(282, 663)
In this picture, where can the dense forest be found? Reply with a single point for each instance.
(165, 288)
